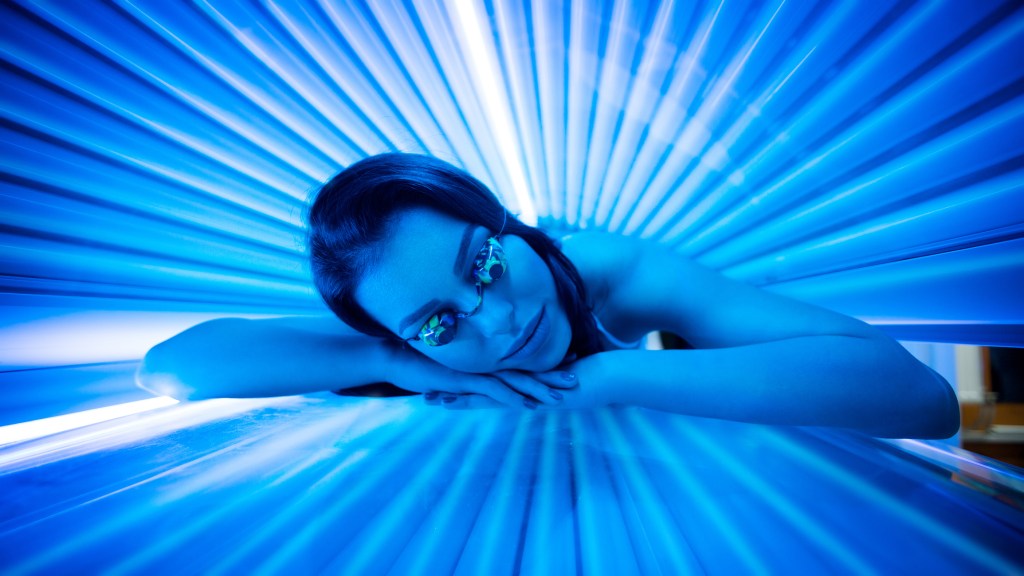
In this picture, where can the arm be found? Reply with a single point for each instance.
(811, 381)
(238, 358)
(762, 357)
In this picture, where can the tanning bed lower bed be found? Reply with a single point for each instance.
(328, 484)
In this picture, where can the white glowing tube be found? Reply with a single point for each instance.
(496, 104)
(48, 426)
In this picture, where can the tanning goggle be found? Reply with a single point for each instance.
(490, 264)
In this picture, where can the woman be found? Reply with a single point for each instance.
(441, 291)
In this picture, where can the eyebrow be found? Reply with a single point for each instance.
(458, 269)
(417, 314)
(461, 255)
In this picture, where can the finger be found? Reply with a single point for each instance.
(564, 379)
(470, 401)
(527, 385)
(498, 390)
(460, 383)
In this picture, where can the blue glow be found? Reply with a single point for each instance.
(156, 158)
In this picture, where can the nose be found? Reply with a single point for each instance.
(497, 316)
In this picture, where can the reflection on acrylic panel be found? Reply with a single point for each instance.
(155, 158)
(346, 486)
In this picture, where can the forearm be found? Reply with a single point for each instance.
(241, 358)
(868, 384)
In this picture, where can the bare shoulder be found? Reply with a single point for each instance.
(603, 260)
(318, 324)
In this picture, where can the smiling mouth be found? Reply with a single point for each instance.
(528, 335)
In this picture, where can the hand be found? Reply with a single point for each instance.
(587, 383)
(460, 390)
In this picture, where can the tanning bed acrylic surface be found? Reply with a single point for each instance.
(371, 486)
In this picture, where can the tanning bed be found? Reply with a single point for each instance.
(156, 156)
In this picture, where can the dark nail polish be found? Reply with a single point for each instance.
(449, 399)
(555, 394)
(431, 395)
(529, 404)
(568, 376)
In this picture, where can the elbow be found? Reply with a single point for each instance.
(939, 417)
(157, 377)
(184, 367)
(947, 419)
(924, 405)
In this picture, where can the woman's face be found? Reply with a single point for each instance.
(424, 267)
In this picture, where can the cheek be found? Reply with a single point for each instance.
(533, 279)
(462, 357)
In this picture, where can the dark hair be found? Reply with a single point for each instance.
(352, 211)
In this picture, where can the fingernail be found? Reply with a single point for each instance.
(431, 395)
(529, 404)
(555, 394)
(568, 376)
(449, 399)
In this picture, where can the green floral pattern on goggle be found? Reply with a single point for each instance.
(439, 330)
(489, 265)
(490, 262)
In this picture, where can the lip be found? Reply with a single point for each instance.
(528, 338)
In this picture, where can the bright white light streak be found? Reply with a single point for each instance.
(866, 190)
(487, 80)
(891, 111)
(48, 426)
(551, 518)
(309, 32)
(430, 56)
(897, 509)
(357, 490)
(699, 494)
(275, 454)
(407, 505)
(433, 539)
(962, 462)
(371, 427)
(386, 73)
(643, 98)
(189, 415)
(789, 510)
(581, 70)
(615, 81)
(633, 478)
(89, 336)
(278, 60)
(550, 54)
(738, 66)
(248, 131)
(850, 82)
(280, 177)
(604, 546)
(446, 85)
(512, 28)
(715, 156)
(303, 504)
(123, 431)
(747, 119)
(500, 515)
(636, 200)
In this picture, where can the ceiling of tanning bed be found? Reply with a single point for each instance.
(157, 156)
